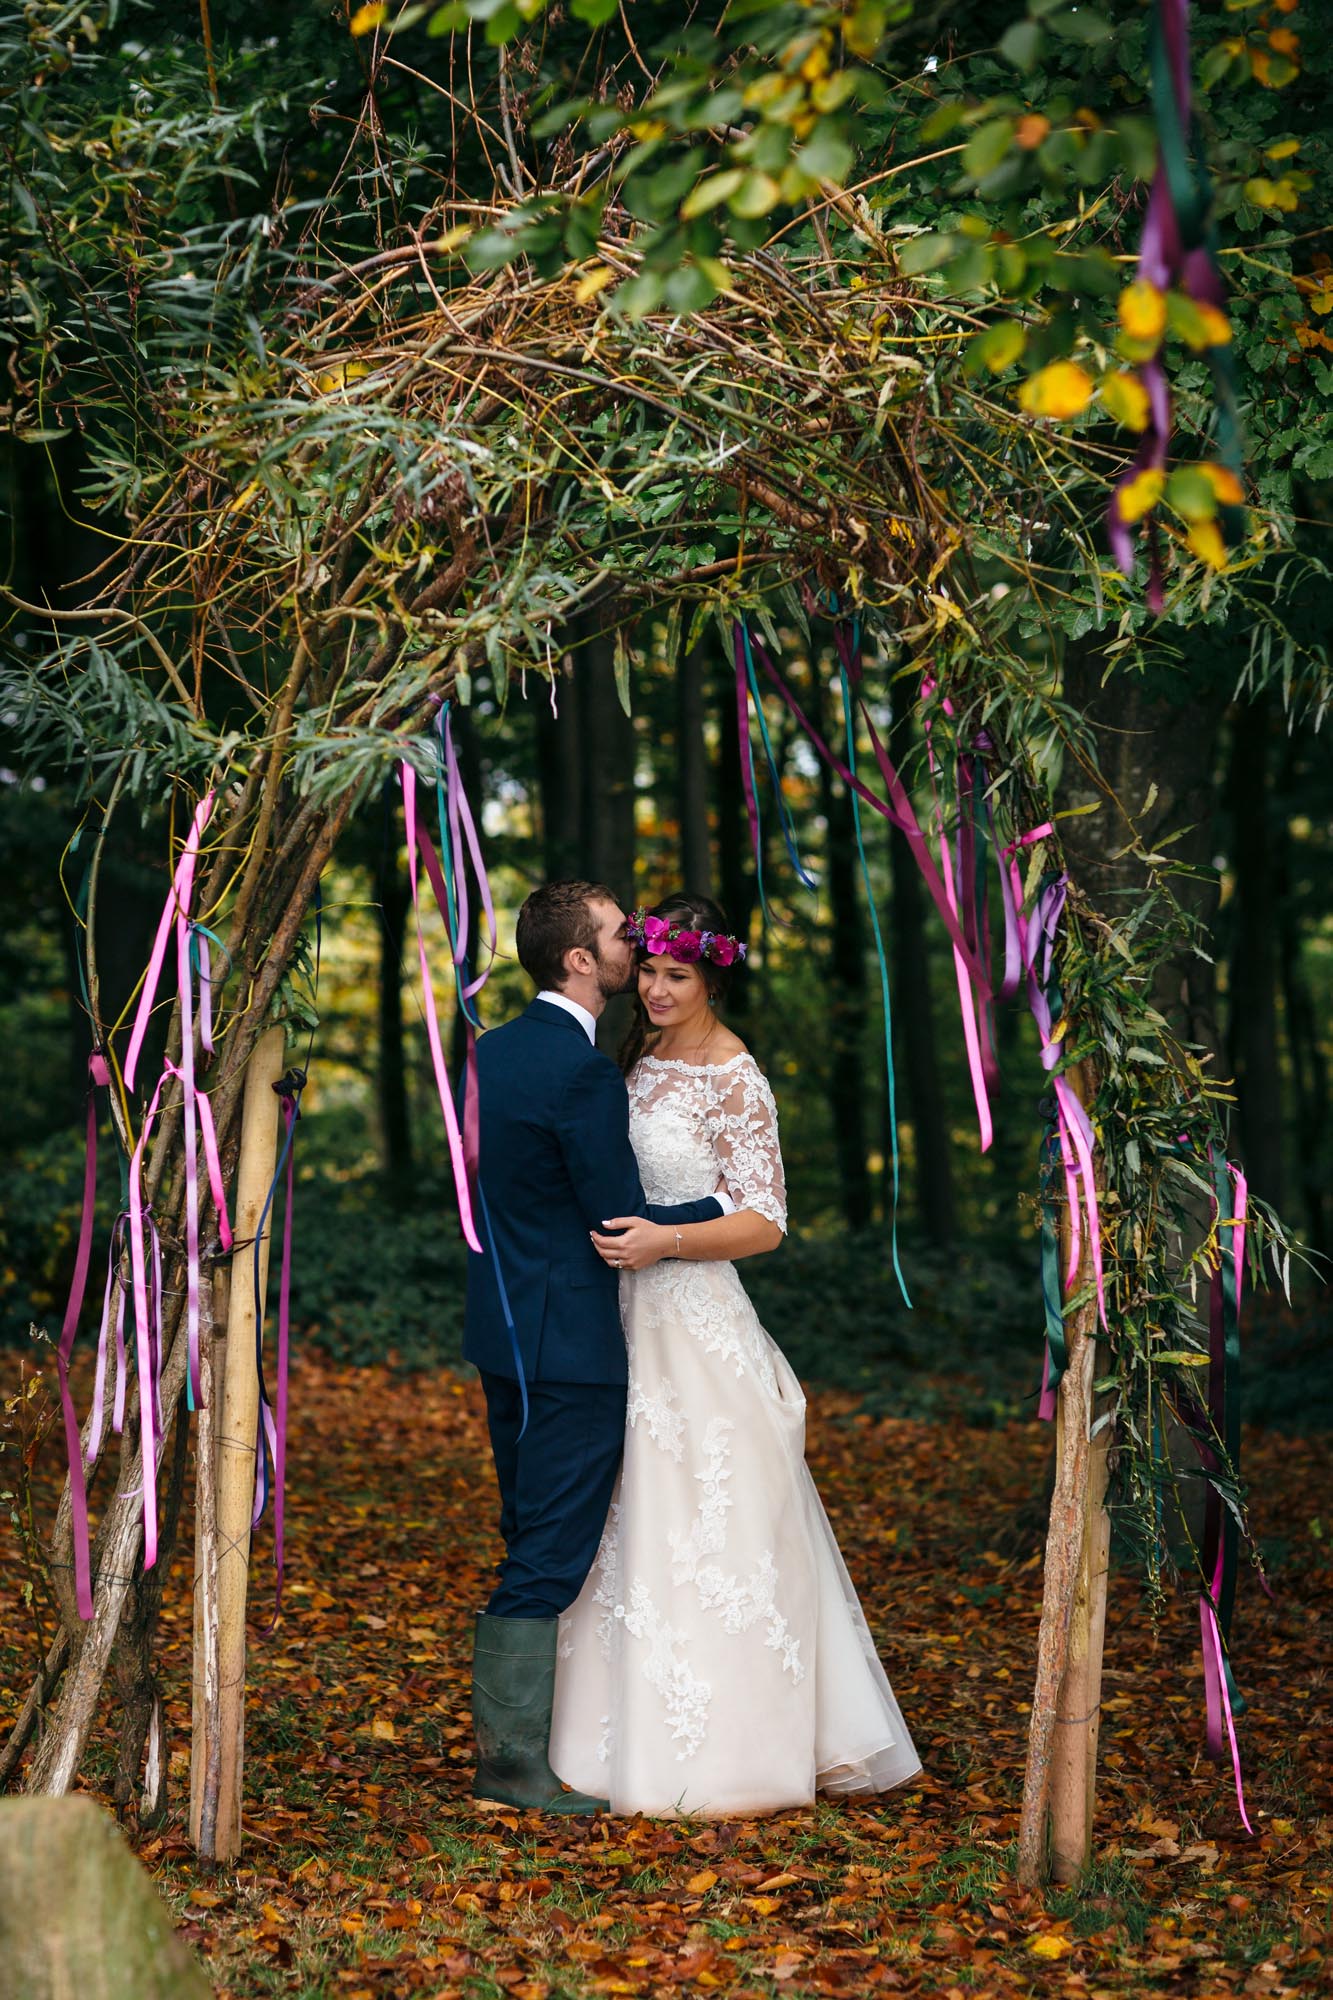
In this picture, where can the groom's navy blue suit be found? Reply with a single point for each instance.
(555, 1163)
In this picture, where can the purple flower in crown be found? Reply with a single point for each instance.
(687, 946)
(656, 933)
(724, 950)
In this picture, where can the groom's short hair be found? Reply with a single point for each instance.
(555, 919)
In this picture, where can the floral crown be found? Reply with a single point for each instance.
(662, 938)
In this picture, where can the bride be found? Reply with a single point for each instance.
(717, 1660)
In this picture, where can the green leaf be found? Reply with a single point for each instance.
(758, 194)
(1181, 1357)
(998, 347)
(622, 664)
(988, 146)
(595, 12)
(689, 289)
(826, 155)
(925, 253)
(707, 193)
(1080, 24)
(1021, 44)
(1191, 494)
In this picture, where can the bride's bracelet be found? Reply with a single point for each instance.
(677, 1240)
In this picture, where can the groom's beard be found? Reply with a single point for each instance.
(612, 984)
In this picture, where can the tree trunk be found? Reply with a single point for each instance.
(1252, 1038)
(606, 814)
(394, 899)
(735, 862)
(238, 1424)
(1308, 1064)
(560, 772)
(696, 858)
(608, 752)
(914, 1024)
(845, 989)
(141, 1764)
(1156, 752)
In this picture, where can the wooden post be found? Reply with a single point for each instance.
(238, 1430)
(1078, 1709)
(205, 1740)
(1059, 1791)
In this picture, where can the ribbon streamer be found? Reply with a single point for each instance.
(99, 1077)
(420, 849)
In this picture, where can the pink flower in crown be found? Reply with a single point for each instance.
(655, 933)
(722, 950)
(686, 947)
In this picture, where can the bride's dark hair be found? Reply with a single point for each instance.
(692, 913)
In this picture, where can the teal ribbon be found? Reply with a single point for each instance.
(775, 776)
(850, 725)
(462, 970)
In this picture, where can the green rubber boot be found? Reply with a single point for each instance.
(513, 1690)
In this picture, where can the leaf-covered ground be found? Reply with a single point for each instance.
(369, 1873)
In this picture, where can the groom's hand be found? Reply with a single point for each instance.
(636, 1244)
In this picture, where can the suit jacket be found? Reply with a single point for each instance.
(555, 1162)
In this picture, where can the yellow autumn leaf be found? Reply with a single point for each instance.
(368, 17)
(593, 281)
(1205, 538)
(1140, 494)
(453, 237)
(1126, 399)
(1272, 194)
(1143, 310)
(1227, 489)
(381, 1727)
(1049, 1944)
(1030, 130)
(700, 1884)
(1060, 390)
(1283, 150)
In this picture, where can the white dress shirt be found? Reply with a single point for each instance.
(588, 1024)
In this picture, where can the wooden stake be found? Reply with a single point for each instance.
(238, 1430)
(1078, 1709)
(1059, 1790)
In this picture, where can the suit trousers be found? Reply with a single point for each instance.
(555, 1487)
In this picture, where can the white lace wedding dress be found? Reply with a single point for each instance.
(717, 1660)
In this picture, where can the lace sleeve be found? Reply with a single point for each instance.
(743, 1121)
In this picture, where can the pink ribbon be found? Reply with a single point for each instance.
(966, 999)
(419, 847)
(146, 1292)
(99, 1076)
(1217, 1698)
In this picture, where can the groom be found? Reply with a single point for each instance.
(542, 1321)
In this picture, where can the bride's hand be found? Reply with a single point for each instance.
(636, 1244)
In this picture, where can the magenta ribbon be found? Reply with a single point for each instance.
(420, 849)
(197, 1112)
(146, 1292)
(99, 1077)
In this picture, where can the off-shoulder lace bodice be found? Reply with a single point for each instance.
(691, 1122)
